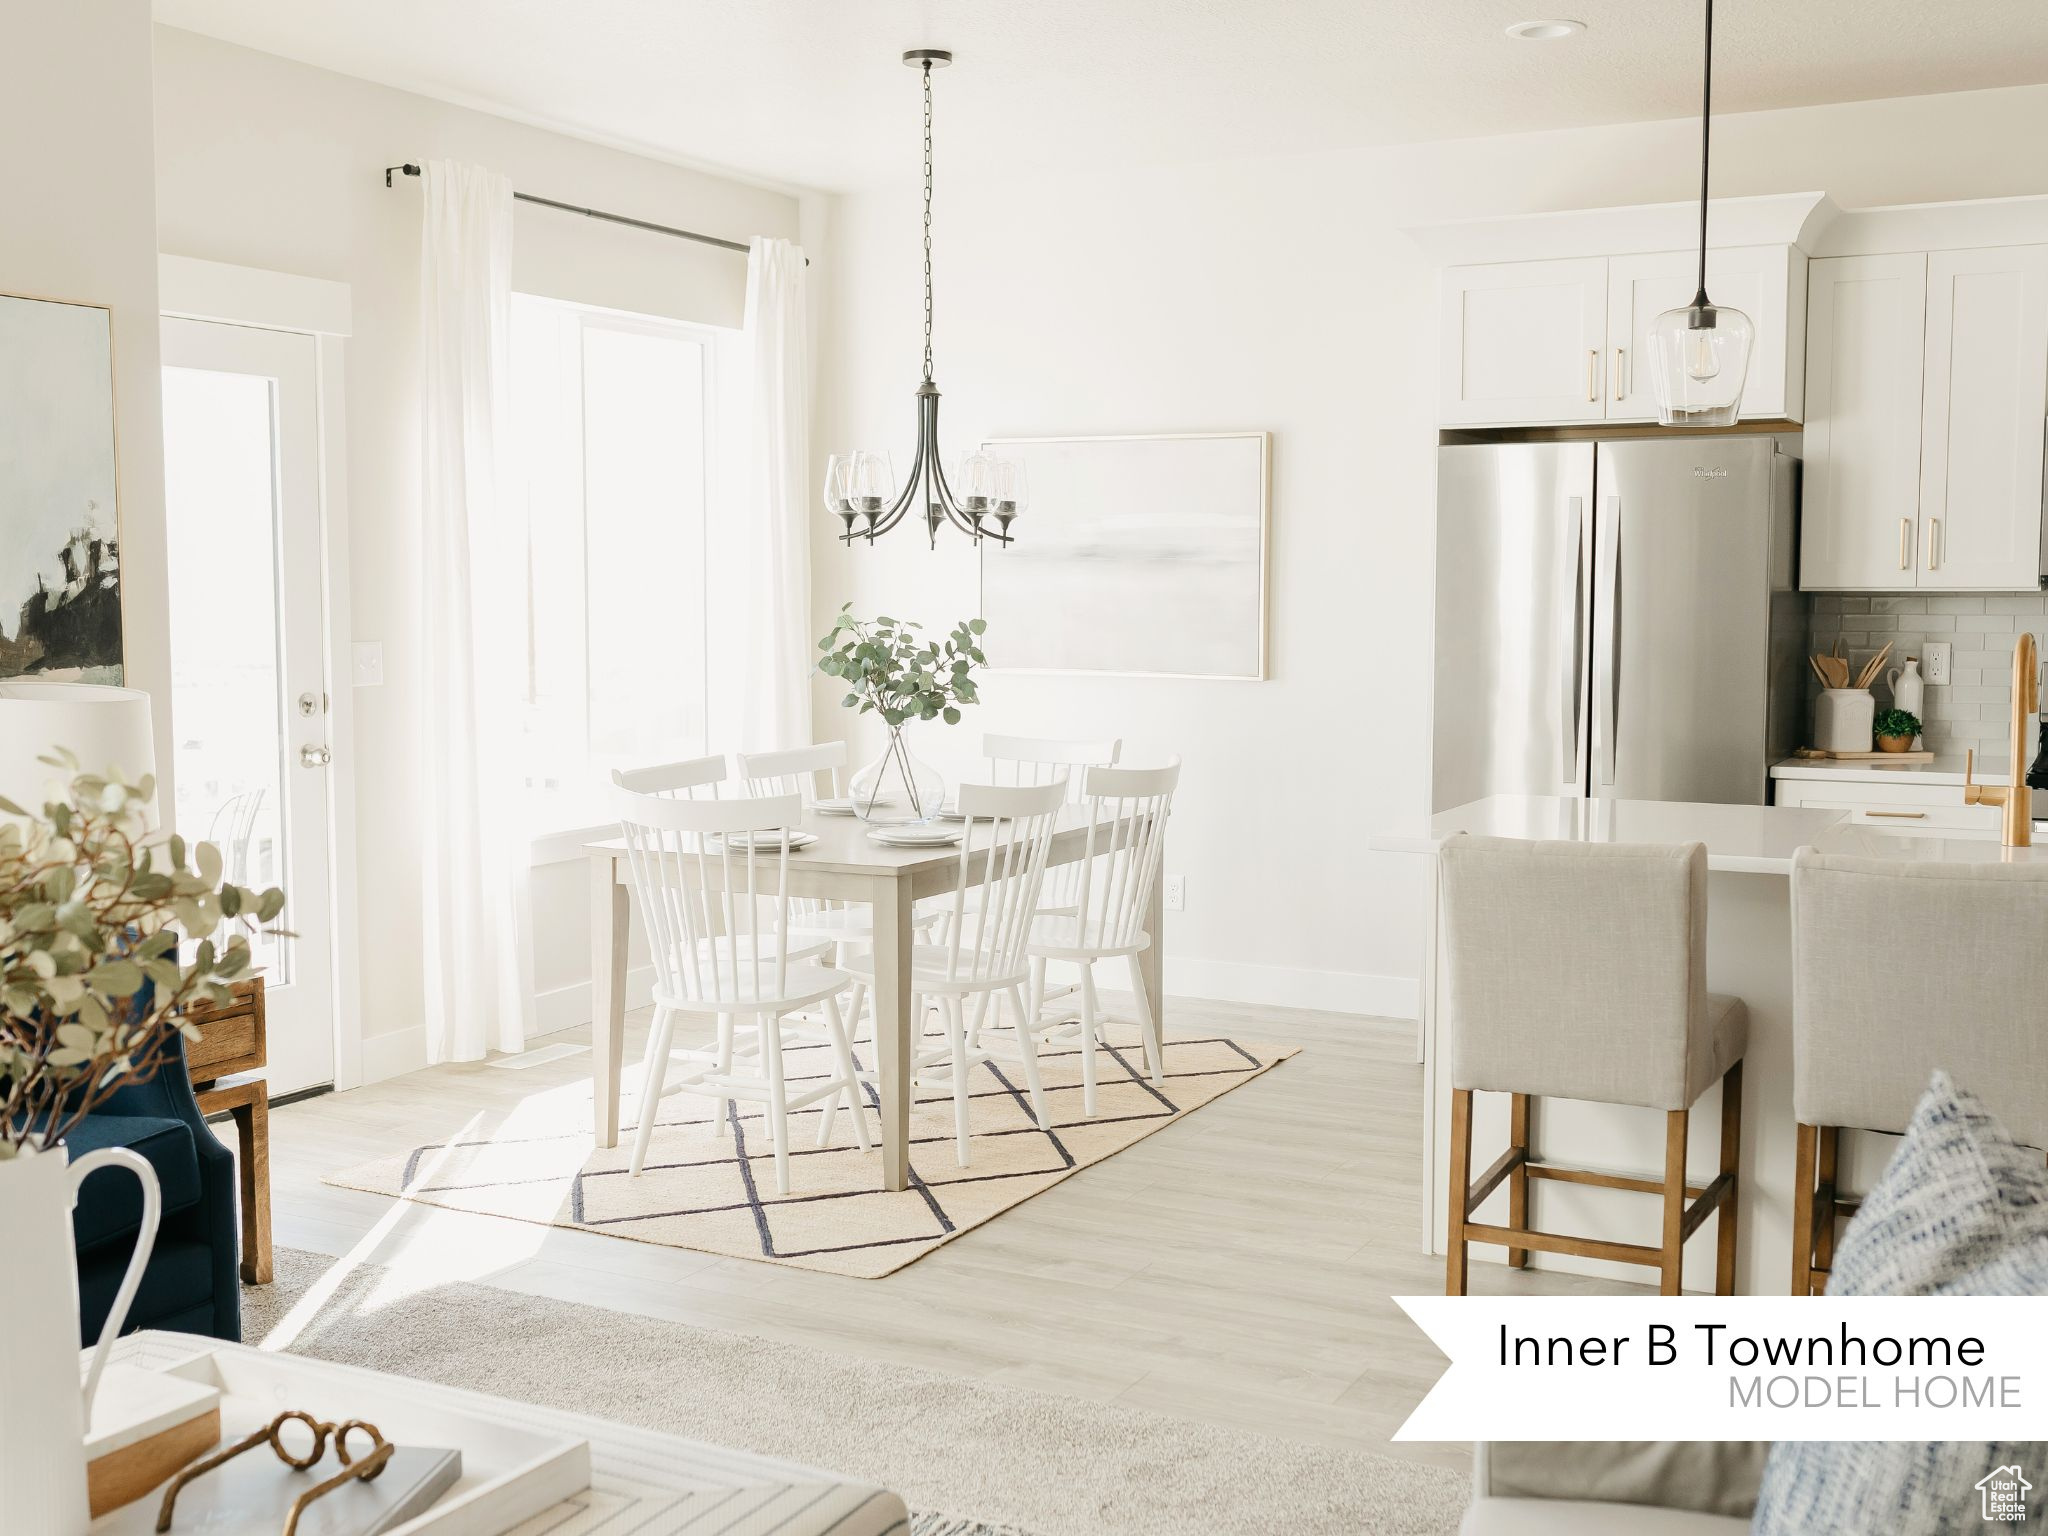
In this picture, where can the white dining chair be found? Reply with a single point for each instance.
(712, 882)
(1041, 760)
(802, 771)
(1127, 813)
(696, 778)
(983, 957)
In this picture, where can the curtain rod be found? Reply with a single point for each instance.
(609, 218)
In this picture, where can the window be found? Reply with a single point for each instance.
(617, 425)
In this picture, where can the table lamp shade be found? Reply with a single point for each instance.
(107, 729)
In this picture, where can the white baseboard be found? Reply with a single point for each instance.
(561, 1008)
(1282, 986)
(394, 1054)
(1227, 981)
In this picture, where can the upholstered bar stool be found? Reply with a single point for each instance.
(1578, 971)
(1899, 969)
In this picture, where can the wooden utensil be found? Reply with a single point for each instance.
(1870, 668)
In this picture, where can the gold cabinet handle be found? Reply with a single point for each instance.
(1593, 375)
(1896, 815)
(1620, 392)
(1933, 542)
(1905, 543)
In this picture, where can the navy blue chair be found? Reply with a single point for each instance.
(191, 1284)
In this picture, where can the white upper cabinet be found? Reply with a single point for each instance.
(1522, 342)
(1981, 420)
(1927, 384)
(1765, 282)
(1544, 342)
(1859, 505)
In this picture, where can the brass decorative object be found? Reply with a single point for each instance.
(352, 1470)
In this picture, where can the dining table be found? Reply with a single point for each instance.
(845, 865)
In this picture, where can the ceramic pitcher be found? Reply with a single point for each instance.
(43, 1411)
(1909, 688)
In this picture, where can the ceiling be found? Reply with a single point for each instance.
(811, 93)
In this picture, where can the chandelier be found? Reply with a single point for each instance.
(860, 487)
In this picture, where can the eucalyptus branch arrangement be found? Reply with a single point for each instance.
(895, 672)
(105, 944)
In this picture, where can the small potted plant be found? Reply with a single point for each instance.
(1897, 730)
(895, 672)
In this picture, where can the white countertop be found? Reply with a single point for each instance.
(1931, 847)
(1947, 768)
(1740, 839)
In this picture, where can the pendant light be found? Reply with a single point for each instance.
(1699, 355)
(860, 487)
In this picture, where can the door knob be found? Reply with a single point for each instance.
(315, 757)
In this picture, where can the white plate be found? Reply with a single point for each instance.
(914, 837)
(766, 841)
(834, 807)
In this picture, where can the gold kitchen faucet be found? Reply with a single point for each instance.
(2017, 798)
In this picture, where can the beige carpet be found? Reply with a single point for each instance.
(716, 1193)
(968, 1457)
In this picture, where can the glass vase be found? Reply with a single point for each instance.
(897, 787)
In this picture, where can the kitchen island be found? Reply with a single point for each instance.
(1749, 955)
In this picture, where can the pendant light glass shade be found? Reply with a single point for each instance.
(1699, 355)
(1699, 358)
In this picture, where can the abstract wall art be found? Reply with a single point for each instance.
(1144, 556)
(60, 551)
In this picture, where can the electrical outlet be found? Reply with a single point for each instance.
(1936, 655)
(367, 659)
(1177, 894)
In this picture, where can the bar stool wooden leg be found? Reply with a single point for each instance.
(1804, 1161)
(1826, 1159)
(1518, 1181)
(1731, 1162)
(1460, 1190)
(1671, 1271)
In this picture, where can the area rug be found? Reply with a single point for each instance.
(970, 1458)
(717, 1192)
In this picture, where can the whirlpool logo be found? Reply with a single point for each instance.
(1709, 472)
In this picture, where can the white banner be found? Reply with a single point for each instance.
(1734, 1368)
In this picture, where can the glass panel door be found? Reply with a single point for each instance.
(248, 684)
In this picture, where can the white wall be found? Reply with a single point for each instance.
(267, 163)
(78, 222)
(1281, 294)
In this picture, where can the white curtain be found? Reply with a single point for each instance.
(472, 585)
(774, 704)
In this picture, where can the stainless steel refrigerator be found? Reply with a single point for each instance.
(1616, 619)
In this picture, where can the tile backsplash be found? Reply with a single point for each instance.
(1971, 709)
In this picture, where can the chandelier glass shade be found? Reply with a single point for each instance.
(1699, 354)
(985, 493)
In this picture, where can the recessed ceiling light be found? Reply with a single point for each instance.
(1545, 31)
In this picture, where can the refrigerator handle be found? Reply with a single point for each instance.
(1607, 598)
(1572, 652)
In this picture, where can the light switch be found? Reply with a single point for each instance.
(1936, 655)
(368, 660)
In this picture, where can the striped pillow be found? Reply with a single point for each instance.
(1961, 1211)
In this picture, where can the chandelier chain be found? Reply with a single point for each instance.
(928, 221)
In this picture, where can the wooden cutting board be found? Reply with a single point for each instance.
(1815, 754)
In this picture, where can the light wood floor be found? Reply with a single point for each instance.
(1236, 1266)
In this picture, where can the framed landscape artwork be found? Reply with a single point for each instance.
(60, 554)
(1144, 556)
